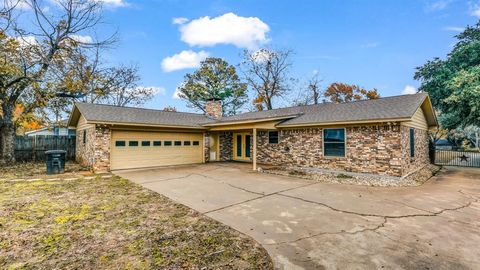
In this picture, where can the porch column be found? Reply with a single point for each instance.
(254, 149)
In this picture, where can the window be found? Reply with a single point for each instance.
(196, 143)
(84, 136)
(133, 143)
(145, 143)
(157, 143)
(167, 143)
(412, 142)
(186, 143)
(178, 143)
(239, 145)
(247, 145)
(273, 137)
(334, 142)
(119, 143)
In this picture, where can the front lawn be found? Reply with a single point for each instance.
(111, 223)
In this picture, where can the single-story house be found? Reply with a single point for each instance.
(386, 136)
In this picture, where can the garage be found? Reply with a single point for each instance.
(135, 149)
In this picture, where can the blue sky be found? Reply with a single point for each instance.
(375, 43)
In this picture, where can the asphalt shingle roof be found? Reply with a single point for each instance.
(396, 107)
(384, 108)
(129, 115)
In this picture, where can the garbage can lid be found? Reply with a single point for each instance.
(55, 152)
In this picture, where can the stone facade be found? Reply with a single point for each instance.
(369, 149)
(377, 149)
(95, 152)
(102, 149)
(213, 109)
(85, 146)
(421, 158)
(226, 146)
(206, 148)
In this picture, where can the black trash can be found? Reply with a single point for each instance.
(55, 160)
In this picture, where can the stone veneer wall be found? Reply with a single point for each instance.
(369, 149)
(95, 153)
(226, 146)
(421, 157)
(102, 149)
(84, 152)
(206, 142)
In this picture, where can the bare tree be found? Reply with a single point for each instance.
(122, 87)
(267, 73)
(311, 93)
(314, 88)
(27, 53)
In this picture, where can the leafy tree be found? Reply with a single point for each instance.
(215, 79)
(454, 83)
(342, 92)
(267, 73)
(27, 54)
(468, 136)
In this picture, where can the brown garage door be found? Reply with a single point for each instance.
(133, 149)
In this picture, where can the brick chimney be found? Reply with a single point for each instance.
(213, 108)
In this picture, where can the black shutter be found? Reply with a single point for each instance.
(412, 142)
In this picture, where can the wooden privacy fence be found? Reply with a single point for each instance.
(33, 148)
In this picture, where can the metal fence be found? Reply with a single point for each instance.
(33, 148)
(456, 158)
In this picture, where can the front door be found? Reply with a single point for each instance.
(241, 146)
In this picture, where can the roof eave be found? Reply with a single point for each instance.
(238, 122)
(331, 123)
(100, 122)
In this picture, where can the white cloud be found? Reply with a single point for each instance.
(370, 45)
(179, 20)
(243, 32)
(453, 29)
(113, 3)
(82, 39)
(183, 60)
(27, 40)
(155, 90)
(475, 9)
(175, 94)
(409, 90)
(17, 4)
(439, 5)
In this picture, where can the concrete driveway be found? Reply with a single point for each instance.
(307, 225)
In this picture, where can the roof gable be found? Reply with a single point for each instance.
(97, 113)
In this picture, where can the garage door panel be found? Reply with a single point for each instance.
(127, 157)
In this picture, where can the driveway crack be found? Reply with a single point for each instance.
(385, 218)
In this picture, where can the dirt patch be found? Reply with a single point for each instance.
(415, 179)
(111, 223)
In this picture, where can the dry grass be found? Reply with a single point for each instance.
(33, 170)
(112, 224)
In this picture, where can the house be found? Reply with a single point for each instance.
(57, 129)
(386, 136)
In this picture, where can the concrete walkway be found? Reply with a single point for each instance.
(307, 225)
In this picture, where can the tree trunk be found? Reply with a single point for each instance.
(7, 133)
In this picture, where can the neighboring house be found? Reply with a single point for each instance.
(59, 129)
(387, 136)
